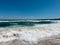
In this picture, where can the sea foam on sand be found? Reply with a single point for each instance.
(30, 34)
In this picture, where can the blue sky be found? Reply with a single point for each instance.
(30, 8)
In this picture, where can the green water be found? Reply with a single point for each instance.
(23, 23)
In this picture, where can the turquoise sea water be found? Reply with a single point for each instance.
(7, 23)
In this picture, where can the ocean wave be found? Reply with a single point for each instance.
(25, 23)
(30, 34)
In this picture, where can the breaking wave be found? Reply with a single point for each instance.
(25, 22)
(38, 30)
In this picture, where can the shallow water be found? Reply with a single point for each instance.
(31, 31)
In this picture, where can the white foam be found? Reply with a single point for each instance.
(31, 35)
(36, 35)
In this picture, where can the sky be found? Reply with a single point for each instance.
(31, 9)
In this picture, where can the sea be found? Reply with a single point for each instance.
(27, 22)
(31, 30)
